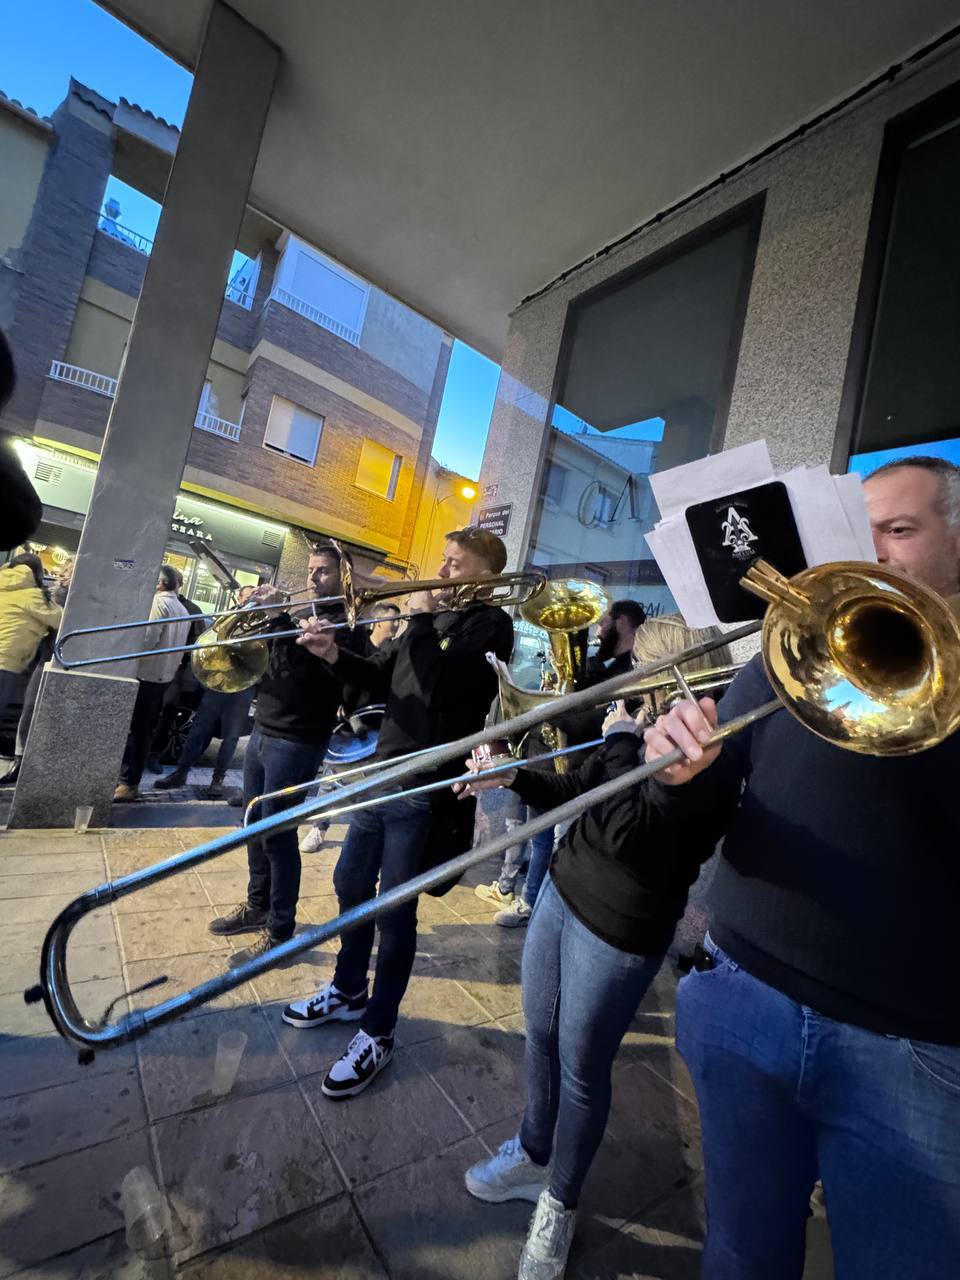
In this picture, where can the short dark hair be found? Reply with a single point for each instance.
(170, 577)
(482, 543)
(386, 605)
(632, 610)
(333, 552)
(948, 472)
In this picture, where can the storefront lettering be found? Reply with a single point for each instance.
(590, 510)
(192, 526)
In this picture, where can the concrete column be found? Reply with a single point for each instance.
(81, 721)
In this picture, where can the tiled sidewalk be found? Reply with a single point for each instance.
(276, 1180)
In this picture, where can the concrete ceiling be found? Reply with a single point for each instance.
(463, 153)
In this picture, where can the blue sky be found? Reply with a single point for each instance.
(45, 42)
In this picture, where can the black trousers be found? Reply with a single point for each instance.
(145, 711)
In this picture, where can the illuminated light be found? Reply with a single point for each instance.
(468, 491)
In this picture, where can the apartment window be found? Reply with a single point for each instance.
(293, 431)
(644, 378)
(905, 386)
(321, 290)
(554, 482)
(378, 470)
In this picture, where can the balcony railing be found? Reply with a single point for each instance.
(86, 378)
(318, 317)
(104, 386)
(142, 244)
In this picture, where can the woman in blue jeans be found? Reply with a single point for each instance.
(597, 937)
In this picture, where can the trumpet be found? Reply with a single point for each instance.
(862, 657)
(233, 653)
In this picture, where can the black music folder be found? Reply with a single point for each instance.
(732, 531)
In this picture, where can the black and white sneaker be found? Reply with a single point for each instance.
(365, 1056)
(328, 1005)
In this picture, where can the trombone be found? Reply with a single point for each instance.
(216, 662)
(862, 657)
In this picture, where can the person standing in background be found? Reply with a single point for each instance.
(154, 675)
(44, 653)
(26, 615)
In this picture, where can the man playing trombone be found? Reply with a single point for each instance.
(437, 686)
(297, 702)
(821, 1026)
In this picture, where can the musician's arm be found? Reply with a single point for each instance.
(619, 754)
(440, 671)
(371, 673)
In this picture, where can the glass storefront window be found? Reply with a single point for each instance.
(910, 397)
(646, 369)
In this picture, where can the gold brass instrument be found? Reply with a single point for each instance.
(863, 657)
(232, 654)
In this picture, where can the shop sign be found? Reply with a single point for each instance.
(496, 519)
(191, 526)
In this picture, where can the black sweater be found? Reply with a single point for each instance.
(628, 891)
(298, 695)
(840, 878)
(435, 680)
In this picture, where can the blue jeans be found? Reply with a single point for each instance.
(787, 1095)
(534, 855)
(231, 710)
(579, 997)
(384, 843)
(274, 861)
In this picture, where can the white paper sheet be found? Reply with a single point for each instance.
(710, 477)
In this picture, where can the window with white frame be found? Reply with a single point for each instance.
(378, 470)
(554, 482)
(320, 289)
(293, 430)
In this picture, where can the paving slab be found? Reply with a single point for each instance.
(426, 1226)
(182, 892)
(435, 1002)
(233, 1169)
(67, 1202)
(183, 974)
(664, 1243)
(400, 1118)
(46, 1123)
(326, 1243)
(149, 935)
(84, 964)
(52, 863)
(480, 1069)
(177, 1061)
(106, 1259)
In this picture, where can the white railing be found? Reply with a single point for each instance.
(104, 386)
(318, 317)
(219, 426)
(126, 235)
(242, 297)
(86, 378)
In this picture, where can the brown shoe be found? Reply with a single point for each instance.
(126, 792)
(242, 919)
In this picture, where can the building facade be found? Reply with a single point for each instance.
(811, 297)
(322, 394)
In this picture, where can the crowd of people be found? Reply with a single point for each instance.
(819, 1018)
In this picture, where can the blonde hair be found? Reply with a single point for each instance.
(659, 637)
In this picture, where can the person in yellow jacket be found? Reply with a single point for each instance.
(26, 614)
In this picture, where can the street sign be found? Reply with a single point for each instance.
(496, 519)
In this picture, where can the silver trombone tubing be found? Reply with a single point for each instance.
(69, 664)
(54, 987)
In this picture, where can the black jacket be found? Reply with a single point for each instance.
(839, 879)
(298, 695)
(626, 889)
(434, 679)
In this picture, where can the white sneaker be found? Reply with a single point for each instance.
(509, 1175)
(328, 1005)
(364, 1058)
(493, 893)
(515, 916)
(545, 1254)
(312, 842)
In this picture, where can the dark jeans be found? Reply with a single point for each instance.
(579, 997)
(274, 860)
(231, 709)
(787, 1095)
(386, 842)
(533, 855)
(145, 711)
